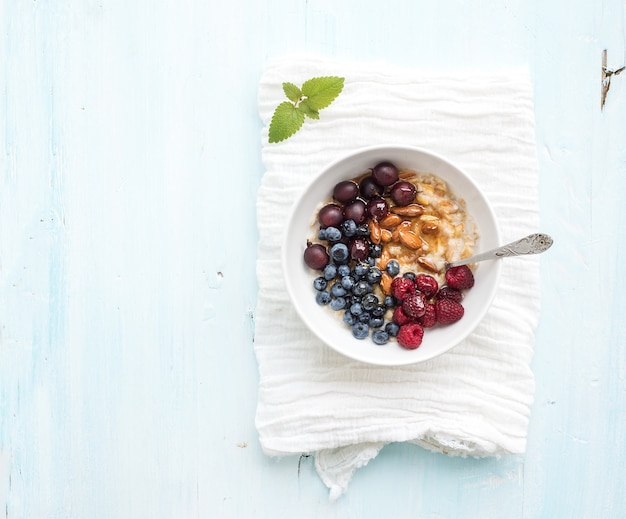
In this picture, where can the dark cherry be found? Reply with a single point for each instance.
(356, 211)
(315, 256)
(377, 208)
(331, 215)
(403, 193)
(385, 174)
(369, 188)
(359, 249)
(346, 191)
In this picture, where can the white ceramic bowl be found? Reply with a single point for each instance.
(326, 324)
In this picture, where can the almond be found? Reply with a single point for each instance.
(427, 264)
(430, 228)
(385, 283)
(391, 220)
(374, 231)
(411, 240)
(384, 258)
(407, 210)
(385, 235)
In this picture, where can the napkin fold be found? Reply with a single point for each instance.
(474, 400)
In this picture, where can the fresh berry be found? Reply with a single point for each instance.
(399, 317)
(414, 305)
(450, 293)
(356, 309)
(359, 249)
(403, 193)
(319, 283)
(427, 285)
(349, 318)
(392, 329)
(333, 234)
(330, 271)
(376, 250)
(346, 191)
(380, 337)
(377, 208)
(369, 302)
(400, 287)
(355, 211)
(373, 275)
(322, 297)
(376, 322)
(448, 311)
(348, 228)
(369, 188)
(460, 277)
(409, 275)
(315, 256)
(331, 215)
(337, 290)
(338, 303)
(393, 268)
(410, 336)
(347, 282)
(429, 319)
(385, 174)
(339, 252)
(360, 330)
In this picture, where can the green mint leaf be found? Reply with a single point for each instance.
(306, 109)
(321, 91)
(292, 92)
(286, 121)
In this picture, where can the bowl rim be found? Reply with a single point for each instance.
(386, 149)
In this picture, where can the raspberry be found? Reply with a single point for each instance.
(429, 319)
(448, 311)
(410, 336)
(399, 317)
(414, 305)
(427, 285)
(450, 293)
(460, 278)
(400, 287)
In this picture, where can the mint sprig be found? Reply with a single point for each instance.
(315, 94)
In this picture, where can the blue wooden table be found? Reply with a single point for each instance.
(129, 164)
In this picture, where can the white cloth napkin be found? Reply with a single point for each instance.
(474, 400)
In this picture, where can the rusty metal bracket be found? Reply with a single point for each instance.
(607, 74)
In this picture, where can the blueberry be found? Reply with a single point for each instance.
(379, 311)
(360, 270)
(370, 261)
(380, 337)
(339, 252)
(392, 329)
(337, 290)
(409, 275)
(322, 298)
(356, 308)
(330, 272)
(376, 250)
(321, 235)
(349, 228)
(339, 303)
(333, 234)
(373, 275)
(370, 301)
(365, 317)
(393, 268)
(349, 318)
(361, 288)
(320, 283)
(354, 299)
(347, 282)
(362, 230)
(343, 270)
(389, 301)
(376, 322)
(360, 330)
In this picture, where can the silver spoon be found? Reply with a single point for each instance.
(531, 244)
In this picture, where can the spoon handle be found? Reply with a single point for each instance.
(531, 244)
